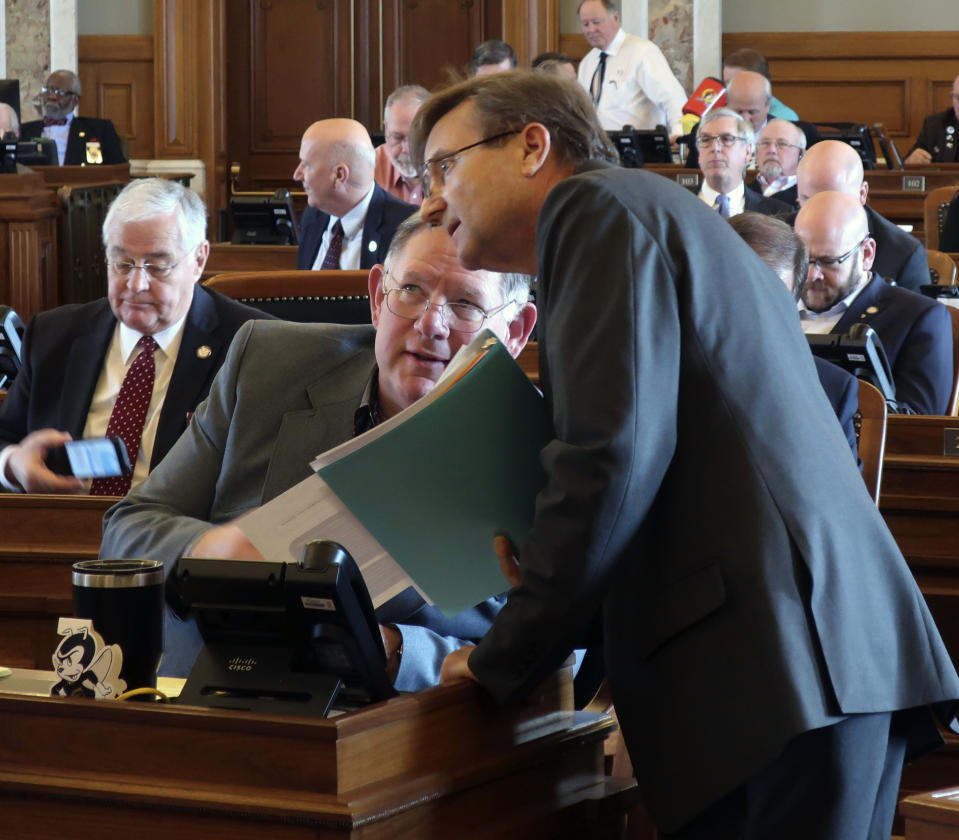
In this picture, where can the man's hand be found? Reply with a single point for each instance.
(918, 156)
(508, 563)
(455, 666)
(27, 464)
(225, 542)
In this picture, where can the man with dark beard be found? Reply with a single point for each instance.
(840, 291)
(780, 146)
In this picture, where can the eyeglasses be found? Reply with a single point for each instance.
(435, 170)
(412, 303)
(396, 138)
(58, 92)
(781, 145)
(825, 262)
(155, 271)
(727, 141)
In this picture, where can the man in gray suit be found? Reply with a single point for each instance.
(762, 631)
(292, 391)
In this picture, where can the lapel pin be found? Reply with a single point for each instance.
(372, 247)
(872, 310)
(203, 352)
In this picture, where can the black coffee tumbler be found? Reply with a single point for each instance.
(124, 600)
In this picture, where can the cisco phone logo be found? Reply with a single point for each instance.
(241, 663)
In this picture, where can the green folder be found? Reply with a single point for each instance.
(435, 489)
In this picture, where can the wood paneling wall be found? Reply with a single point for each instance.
(116, 72)
(896, 78)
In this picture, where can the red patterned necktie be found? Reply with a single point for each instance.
(129, 414)
(332, 259)
(51, 121)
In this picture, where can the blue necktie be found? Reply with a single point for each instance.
(722, 204)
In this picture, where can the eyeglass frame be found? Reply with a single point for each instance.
(707, 141)
(147, 267)
(834, 261)
(442, 308)
(451, 157)
(780, 144)
(57, 92)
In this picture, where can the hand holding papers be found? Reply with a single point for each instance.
(418, 499)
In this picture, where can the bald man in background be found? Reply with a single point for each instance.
(749, 94)
(350, 220)
(8, 120)
(832, 165)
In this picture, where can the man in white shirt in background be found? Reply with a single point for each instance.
(627, 77)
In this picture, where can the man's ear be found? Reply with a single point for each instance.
(868, 253)
(863, 191)
(520, 328)
(341, 175)
(377, 278)
(536, 146)
(201, 255)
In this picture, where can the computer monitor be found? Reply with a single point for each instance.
(295, 638)
(862, 354)
(856, 135)
(10, 93)
(637, 147)
(264, 219)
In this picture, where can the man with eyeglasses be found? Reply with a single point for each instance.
(350, 219)
(394, 171)
(155, 324)
(81, 141)
(725, 145)
(939, 135)
(288, 392)
(834, 165)
(840, 290)
(780, 146)
(699, 500)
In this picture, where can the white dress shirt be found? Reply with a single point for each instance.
(737, 198)
(59, 134)
(639, 89)
(822, 323)
(783, 182)
(353, 222)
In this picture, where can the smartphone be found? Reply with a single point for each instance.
(91, 458)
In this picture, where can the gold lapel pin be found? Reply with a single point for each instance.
(203, 352)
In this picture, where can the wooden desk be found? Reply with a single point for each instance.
(42, 537)
(227, 257)
(932, 816)
(440, 763)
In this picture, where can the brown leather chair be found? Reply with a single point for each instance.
(942, 269)
(338, 297)
(953, 408)
(934, 210)
(870, 423)
(888, 147)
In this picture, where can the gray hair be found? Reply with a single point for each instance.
(515, 286)
(415, 93)
(743, 128)
(150, 198)
(610, 5)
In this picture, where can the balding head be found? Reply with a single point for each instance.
(836, 232)
(831, 165)
(8, 120)
(955, 96)
(336, 165)
(750, 95)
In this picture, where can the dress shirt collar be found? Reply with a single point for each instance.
(737, 197)
(837, 310)
(614, 46)
(353, 221)
(783, 182)
(164, 339)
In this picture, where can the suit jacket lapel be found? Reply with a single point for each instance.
(192, 372)
(372, 226)
(306, 433)
(82, 370)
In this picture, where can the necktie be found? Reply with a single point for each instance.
(596, 84)
(129, 414)
(332, 258)
(49, 121)
(722, 204)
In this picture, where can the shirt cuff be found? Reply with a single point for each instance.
(5, 455)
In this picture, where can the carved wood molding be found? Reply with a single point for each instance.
(870, 45)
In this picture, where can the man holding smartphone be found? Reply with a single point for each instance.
(134, 364)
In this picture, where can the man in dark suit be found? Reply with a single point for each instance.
(699, 491)
(916, 331)
(76, 357)
(81, 141)
(779, 148)
(725, 143)
(350, 220)
(939, 135)
(834, 165)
